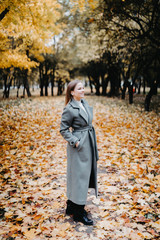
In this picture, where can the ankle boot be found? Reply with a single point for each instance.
(70, 207)
(80, 215)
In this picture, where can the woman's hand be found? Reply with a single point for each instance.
(77, 143)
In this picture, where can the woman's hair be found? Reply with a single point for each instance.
(70, 87)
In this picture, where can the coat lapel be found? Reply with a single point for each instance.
(81, 111)
(83, 114)
(89, 111)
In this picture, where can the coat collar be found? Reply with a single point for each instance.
(75, 104)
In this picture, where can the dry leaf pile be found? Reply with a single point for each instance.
(33, 172)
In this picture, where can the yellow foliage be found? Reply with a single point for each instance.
(11, 58)
(28, 25)
(82, 4)
(62, 74)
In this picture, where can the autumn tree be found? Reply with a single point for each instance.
(80, 42)
(26, 27)
(138, 26)
(93, 45)
(130, 34)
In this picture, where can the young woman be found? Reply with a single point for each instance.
(82, 154)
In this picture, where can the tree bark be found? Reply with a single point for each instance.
(46, 86)
(153, 91)
(130, 90)
(18, 91)
(139, 86)
(90, 83)
(7, 86)
(104, 85)
(3, 14)
(52, 86)
(41, 79)
(97, 86)
(59, 91)
(52, 82)
(124, 91)
(144, 86)
(26, 84)
(46, 78)
(113, 76)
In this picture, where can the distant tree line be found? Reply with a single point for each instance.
(135, 62)
(116, 44)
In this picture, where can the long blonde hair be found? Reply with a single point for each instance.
(71, 86)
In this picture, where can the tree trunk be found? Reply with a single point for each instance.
(144, 86)
(104, 85)
(153, 91)
(26, 84)
(46, 79)
(113, 78)
(90, 83)
(52, 87)
(60, 87)
(139, 86)
(7, 86)
(112, 90)
(130, 90)
(97, 86)
(24, 91)
(3, 14)
(41, 79)
(41, 90)
(18, 91)
(124, 90)
(46, 86)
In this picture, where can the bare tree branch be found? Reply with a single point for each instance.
(3, 14)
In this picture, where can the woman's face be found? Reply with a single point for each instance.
(78, 92)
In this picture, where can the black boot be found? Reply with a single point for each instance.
(80, 215)
(70, 208)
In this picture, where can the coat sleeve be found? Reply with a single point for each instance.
(66, 123)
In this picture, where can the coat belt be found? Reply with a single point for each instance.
(92, 135)
(85, 128)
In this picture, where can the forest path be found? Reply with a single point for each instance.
(33, 172)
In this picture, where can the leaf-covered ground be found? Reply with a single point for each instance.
(33, 172)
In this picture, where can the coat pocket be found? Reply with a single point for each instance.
(81, 135)
(80, 145)
(78, 135)
(82, 141)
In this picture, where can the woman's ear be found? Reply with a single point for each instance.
(72, 93)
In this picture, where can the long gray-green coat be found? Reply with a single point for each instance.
(76, 125)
